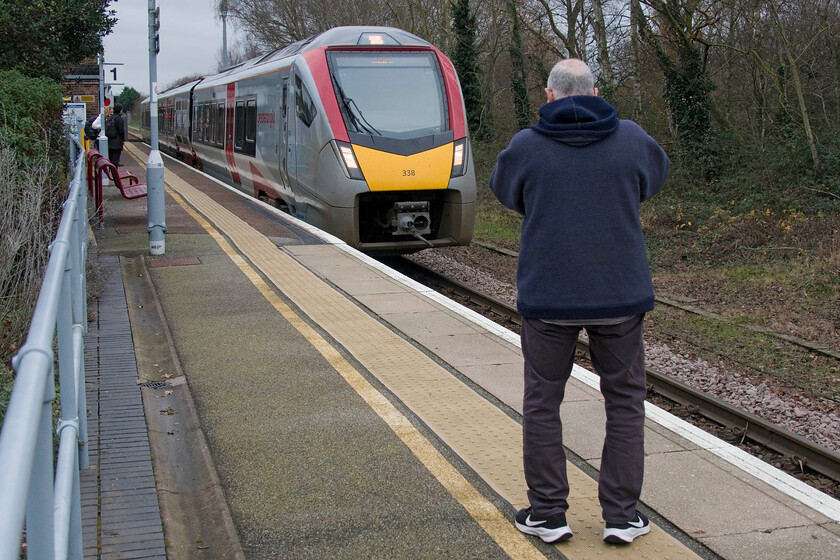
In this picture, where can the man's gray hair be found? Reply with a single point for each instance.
(571, 77)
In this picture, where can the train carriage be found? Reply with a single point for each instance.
(360, 131)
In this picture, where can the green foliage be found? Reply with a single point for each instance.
(518, 82)
(687, 88)
(32, 182)
(30, 113)
(465, 59)
(127, 98)
(44, 37)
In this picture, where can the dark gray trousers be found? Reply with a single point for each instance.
(114, 156)
(618, 358)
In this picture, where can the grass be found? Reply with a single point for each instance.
(761, 356)
(496, 225)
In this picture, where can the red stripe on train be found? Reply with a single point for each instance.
(453, 94)
(317, 61)
(261, 184)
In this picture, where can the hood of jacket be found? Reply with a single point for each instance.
(577, 120)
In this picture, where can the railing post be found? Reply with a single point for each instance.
(67, 507)
(82, 224)
(40, 529)
(78, 257)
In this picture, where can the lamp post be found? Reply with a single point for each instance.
(102, 140)
(223, 11)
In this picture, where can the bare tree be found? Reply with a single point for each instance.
(676, 30)
(599, 27)
(566, 20)
(783, 48)
(518, 72)
(276, 23)
(635, 26)
(797, 84)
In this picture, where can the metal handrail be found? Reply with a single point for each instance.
(30, 489)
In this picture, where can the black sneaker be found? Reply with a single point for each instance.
(549, 529)
(624, 533)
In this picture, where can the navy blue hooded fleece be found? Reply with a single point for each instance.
(578, 177)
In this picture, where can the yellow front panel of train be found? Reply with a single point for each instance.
(391, 172)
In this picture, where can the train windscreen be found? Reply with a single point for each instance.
(393, 94)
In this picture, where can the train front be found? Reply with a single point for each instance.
(400, 134)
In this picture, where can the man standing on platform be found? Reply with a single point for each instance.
(116, 133)
(578, 177)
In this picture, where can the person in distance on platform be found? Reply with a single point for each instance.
(578, 177)
(116, 133)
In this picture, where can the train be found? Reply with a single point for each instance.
(359, 131)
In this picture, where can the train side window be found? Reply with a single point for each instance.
(200, 135)
(239, 126)
(208, 133)
(304, 106)
(211, 123)
(220, 124)
(250, 144)
(245, 127)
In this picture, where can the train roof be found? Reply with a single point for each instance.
(183, 88)
(337, 36)
(361, 35)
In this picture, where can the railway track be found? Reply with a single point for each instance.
(751, 427)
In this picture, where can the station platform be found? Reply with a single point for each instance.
(301, 400)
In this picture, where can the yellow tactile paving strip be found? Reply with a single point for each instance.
(480, 433)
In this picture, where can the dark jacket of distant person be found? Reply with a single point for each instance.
(116, 143)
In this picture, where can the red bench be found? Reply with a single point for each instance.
(92, 157)
(130, 189)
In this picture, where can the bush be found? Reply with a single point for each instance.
(30, 114)
(33, 183)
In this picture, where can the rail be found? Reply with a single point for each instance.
(47, 499)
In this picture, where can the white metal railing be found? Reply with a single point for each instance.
(31, 490)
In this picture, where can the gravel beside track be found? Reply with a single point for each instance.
(817, 421)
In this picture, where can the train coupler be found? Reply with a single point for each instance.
(410, 218)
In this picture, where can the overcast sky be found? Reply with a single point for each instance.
(190, 42)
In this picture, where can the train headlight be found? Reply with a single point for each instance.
(459, 158)
(345, 155)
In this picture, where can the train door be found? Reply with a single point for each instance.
(305, 156)
(285, 146)
(291, 129)
(230, 100)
